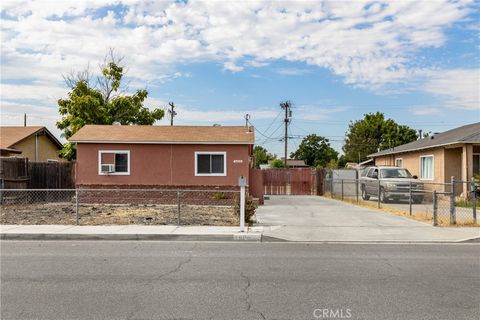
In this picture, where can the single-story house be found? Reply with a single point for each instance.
(36, 143)
(437, 158)
(163, 156)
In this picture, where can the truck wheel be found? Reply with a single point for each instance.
(417, 200)
(365, 195)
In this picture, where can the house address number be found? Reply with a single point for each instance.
(237, 161)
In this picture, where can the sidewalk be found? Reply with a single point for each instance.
(129, 232)
(332, 234)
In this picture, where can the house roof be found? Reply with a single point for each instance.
(164, 134)
(9, 136)
(465, 134)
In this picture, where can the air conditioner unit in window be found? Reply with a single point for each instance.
(108, 168)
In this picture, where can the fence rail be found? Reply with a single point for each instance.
(120, 206)
(440, 203)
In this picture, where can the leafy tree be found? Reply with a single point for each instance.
(315, 151)
(262, 156)
(373, 133)
(277, 163)
(342, 162)
(101, 103)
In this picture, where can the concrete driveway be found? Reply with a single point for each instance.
(314, 218)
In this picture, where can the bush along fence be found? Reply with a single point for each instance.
(123, 206)
(453, 203)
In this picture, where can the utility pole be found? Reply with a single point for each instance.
(247, 117)
(24, 119)
(288, 114)
(172, 112)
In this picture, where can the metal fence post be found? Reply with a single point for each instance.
(410, 198)
(178, 208)
(473, 188)
(378, 193)
(435, 208)
(356, 188)
(452, 200)
(331, 187)
(342, 189)
(77, 218)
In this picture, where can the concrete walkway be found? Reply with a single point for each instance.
(313, 218)
(129, 232)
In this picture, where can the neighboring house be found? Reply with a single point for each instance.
(33, 142)
(292, 163)
(437, 158)
(176, 156)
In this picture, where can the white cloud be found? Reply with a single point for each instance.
(457, 88)
(367, 44)
(425, 111)
(292, 71)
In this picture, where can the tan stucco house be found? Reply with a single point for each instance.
(36, 143)
(437, 158)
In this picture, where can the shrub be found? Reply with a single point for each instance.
(250, 207)
(219, 196)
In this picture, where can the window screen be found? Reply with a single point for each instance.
(121, 162)
(210, 163)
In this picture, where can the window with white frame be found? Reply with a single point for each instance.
(114, 162)
(476, 163)
(210, 163)
(399, 162)
(426, 167)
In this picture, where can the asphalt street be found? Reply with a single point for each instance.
(235, 280)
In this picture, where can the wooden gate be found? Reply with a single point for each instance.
(302, 181)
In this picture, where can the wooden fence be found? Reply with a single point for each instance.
(302, 181)
(19, 173)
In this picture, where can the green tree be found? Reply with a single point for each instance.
(101, 103)
(315, 151)
(262, 156)
(373, 133)
(342, 162)
(277, 163)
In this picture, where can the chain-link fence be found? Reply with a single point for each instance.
(120, 206)
(441, 203)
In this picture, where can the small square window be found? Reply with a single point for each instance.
(210, 164)
(114, 162)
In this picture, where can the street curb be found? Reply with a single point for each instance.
(130, 237)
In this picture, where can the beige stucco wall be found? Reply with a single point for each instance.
(456, 161)
(46, 149)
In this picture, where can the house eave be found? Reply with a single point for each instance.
(163, 142)
(375, 155)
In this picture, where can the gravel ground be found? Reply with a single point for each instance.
(102, 214)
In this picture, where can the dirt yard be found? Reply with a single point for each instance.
(102, 214)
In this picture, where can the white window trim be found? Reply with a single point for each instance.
(100, 152)
(397, 159)
(211, 174)
(420, 167)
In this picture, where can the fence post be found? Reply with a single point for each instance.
(435, 208)
(178, 208)
(473, 188)
(331, 187)
(77, 218)
(342, 189)
(356, 188)
(410, 197)
(378, 193)
(452, 200)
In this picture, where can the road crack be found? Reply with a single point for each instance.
(248, 301)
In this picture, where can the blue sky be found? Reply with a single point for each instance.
(417, 62)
